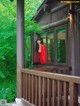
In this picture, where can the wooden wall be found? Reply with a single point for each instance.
(58, 13)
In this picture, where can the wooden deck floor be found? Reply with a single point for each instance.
(20, 102)
(11, 104)
(14, 104)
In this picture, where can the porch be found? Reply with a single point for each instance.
(44, 88)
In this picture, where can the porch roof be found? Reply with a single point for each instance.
(40, 11)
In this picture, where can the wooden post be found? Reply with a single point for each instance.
(73, 40)
(78, 42)
(20, 43)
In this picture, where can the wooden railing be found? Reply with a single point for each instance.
(48, 89)
(54, 69)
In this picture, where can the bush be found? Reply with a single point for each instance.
(8, 90)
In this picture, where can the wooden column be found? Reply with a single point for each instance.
(78, 42)
(73, 40)
(20, 43)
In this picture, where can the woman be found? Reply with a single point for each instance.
(41, 49)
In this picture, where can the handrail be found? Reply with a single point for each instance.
(62, 77)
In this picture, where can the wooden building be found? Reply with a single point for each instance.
(60, 23)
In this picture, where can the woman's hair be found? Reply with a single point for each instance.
(40, 40)
(37, 45)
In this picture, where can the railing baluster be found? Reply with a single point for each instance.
(48, 93)
(76, 94)
(40, 92)
(33, 96)
(44, 91)
(36, 91)
(65, 94)
(59, 93)
(29, 87)
(26, 87)
(54, 93)
(73, 96)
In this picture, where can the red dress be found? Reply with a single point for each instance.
(42, 54)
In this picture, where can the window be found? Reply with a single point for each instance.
(50, 47)
(61, 45)
(56, 54)
(56, 45)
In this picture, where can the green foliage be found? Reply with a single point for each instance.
(8, 91)
(8, 43)
(30, 7)
(2, 76)
(30, 28)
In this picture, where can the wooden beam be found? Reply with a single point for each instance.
(20, 43)
(59, 7)
(54, 24)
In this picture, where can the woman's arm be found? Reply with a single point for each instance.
(39, 48)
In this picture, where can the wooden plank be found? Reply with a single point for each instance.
(33, 89)
(22, 84)
(58, 8)
(54, 93)
(73, 94)
(61, 77)
(46, 68)
(65, 99)
(26, 86)
(36, 91)
(40, 92)
(76, 94)
(59, 94)
(44, 91)
(29, 88)
(48, 93)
